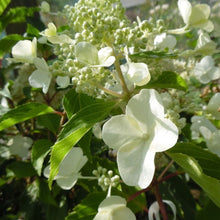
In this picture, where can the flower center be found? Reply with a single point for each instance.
(145, 136)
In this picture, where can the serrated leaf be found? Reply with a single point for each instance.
(3, 5)
(50, 121)
(73, 102)
(23, 113)
(78, 125)
(206, 159)
(168, 79)
(40, 149)
(21, 169)
(153, 54)
(209, 184)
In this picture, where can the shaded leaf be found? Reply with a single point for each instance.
(209, 184)
(40, 149)
(3, 5)
(21, 169)
(206, 159)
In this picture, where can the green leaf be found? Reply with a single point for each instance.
(7, 42)
(31, 30)
(210, 212)
(50, 121)
(73, 102)
(78, 125)
(168, 79)
(23, 113)
(84, 143)
(206, 159)
(3, 5)
(153, 54)
(20, 169)
(88, 208)
(40, 149)
(209, 184)
(17, 15)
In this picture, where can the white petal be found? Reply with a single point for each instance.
(112, 202)
(47, 171)
(86, 53)
(51, 30)
(138, 73)
(63, 81)
(105, 56)
(25, 51)
(103, 215)
(165, 135)
(72, 162)
(60, 39)
(121, 130)
(67, 182)
(200, 13)
(123, 213)
(185, 9)
(136, 165)
(207, 62)
(144, 107)
(40, 79)
(214, 73)
(41, 64)
(214, 106)
(154, 211)
(213, 143)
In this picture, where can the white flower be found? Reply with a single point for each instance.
(211, 134)
(163, 41)
(154, 210)
(197, 123)
(44, 7)
(114, 208)
(196, 16)
(205, 71)
(69, 168)
(20, 145)
(213, 106)
(205, 45)
(138, 73)
(41, 77)
(63, 81)
(89, 55)
(138, 135)
(24, 51)
(51, 34)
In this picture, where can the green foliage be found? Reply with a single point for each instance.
(78, 125)
(168, 79)
(3, 5)
(153, 55)
(191, 166)
(40, 149)
(23, 113)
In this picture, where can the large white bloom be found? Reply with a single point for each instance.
(89, 55)
(205, 71)
(53, 37)
(138, 135)
(197, 16)
(69, 168)
(213, 106)
(24, 51)
(41, 77)
(114, 208)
